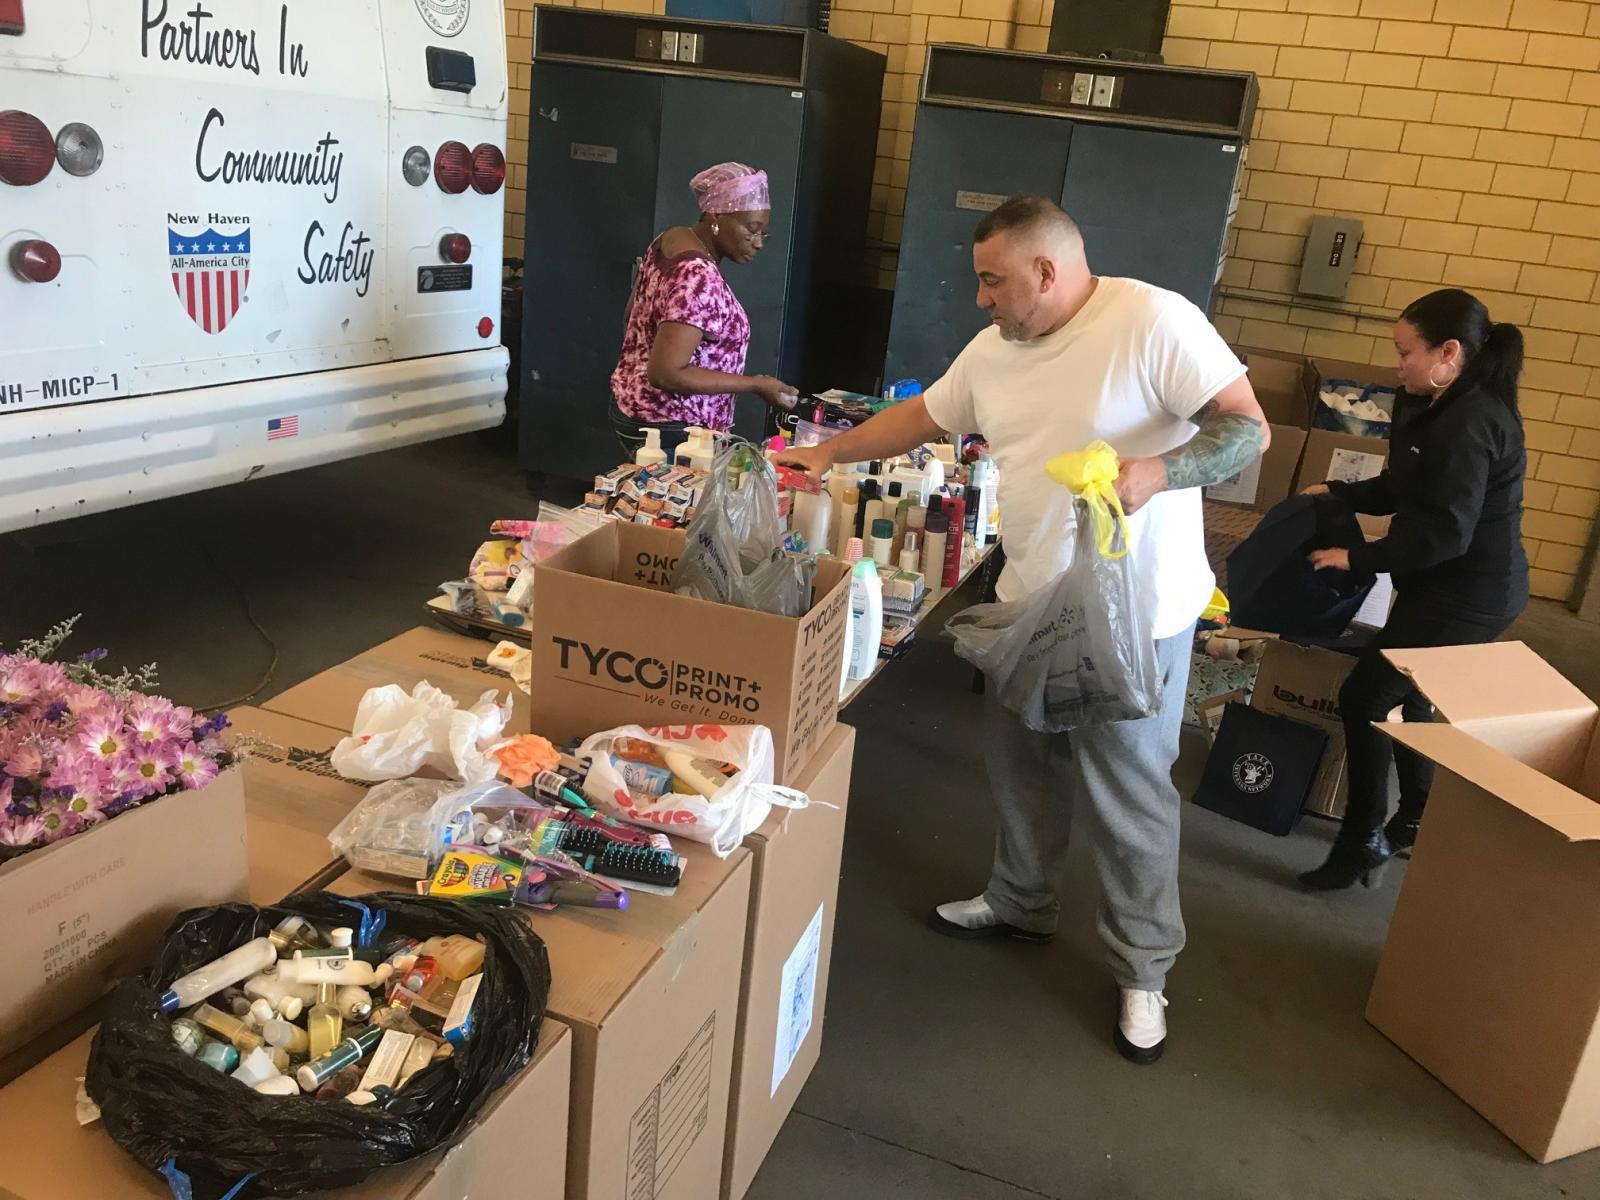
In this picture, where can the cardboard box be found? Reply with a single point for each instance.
(1302, 683)
(794, 897)
(66, 1161)
(1343, 456)
(84, 912)
(1320, 370)
(651, 995)
(1489, 977)
(613, 646)
(1269, 479)
(293, 797)
(1279, 382)
(451, 662)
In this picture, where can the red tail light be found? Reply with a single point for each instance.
(27, 151)
(455, 247)
(485, 327)
(36, 261)
(452, 167)
(488, 169)
(11, 18)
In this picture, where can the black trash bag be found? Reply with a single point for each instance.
(159, 1104)
(1272, 585)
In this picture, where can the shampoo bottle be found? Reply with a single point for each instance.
(882, 541)
(933, 550)
(233, 967)
(866, 618)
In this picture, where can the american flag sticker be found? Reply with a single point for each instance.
(282, 427)
(210, 273)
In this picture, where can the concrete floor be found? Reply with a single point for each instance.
(950, 1071)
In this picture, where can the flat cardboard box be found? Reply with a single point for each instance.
(451, 662)
(651, 995)
(1489, 977)
(1340, 456)
(1269, 479)
(521, 1135)
(84, 912)
(1302, 683)
(293, 797)
(794, 898)
(612, 645)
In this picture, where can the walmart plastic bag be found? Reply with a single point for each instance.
(1079, 651)
(721, 820)
(733, 550)
(171, 1111)
(396, 735)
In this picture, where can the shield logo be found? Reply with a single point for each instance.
(210, 273)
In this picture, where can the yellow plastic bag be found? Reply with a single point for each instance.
(1218, 608)
(1091, 474)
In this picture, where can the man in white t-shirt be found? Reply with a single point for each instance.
(1070, 358)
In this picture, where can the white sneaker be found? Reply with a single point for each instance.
(975, 919)
(1142, 1029)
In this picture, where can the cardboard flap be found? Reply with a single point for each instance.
(1571, 814)
(1500, 679)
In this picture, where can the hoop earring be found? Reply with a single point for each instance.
(1438, 386)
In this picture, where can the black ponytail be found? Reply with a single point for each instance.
(1492, 351)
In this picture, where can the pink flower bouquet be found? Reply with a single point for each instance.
(78, 746)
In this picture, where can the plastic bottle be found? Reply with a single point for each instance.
(933, 476)
(977, 514)
(231, 968)
(348, 1052)
(955, 509)
(289, 999)
(813, 519)
(844, 660)
(325, 1025)
(910, 552)
(688, 447)
(901, 516)
(355, 1004)
(301, 969)
(933, 550)
(460, 956)
(852, 550)
(229, 1028)
(990, 487)
(916, 522)
(279, 1085)
(294, 933)
(846, 528)
(291, 1037)
(868, 493)
(882, 541)
(866, 618)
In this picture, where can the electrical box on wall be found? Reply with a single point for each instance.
(1330, 259)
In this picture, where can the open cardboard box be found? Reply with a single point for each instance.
(516, 1146)
(83, 912)
(613, 645)
(1490, 977)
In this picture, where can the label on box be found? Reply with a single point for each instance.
(1352, 466)
(797, 999)
(671, 1119)
(1241, 489)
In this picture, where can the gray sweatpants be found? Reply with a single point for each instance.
(1116, 782)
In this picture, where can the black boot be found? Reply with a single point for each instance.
(1402, 833)
(1349, 862)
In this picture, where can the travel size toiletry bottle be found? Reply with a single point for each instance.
(231, 968)
(325, 1025)
(229, 1028)
(347, 1053)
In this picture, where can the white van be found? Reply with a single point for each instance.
(242, 236)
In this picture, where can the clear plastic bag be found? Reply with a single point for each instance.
(401, 828)
(733, 550)
(1077, 652)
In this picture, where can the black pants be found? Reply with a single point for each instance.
(631, 436)
(1371, 693)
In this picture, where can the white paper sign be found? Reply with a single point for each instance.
(1241, 489)
(797, 997)
(1374, 610)
(1352, 466)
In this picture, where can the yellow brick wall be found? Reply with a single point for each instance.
(1464, 133)
(1466, 136)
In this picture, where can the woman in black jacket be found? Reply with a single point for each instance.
(1453, 485)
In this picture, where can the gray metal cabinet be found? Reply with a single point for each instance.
(1150, 176)
(616, 133)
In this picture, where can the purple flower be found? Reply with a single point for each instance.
(103, 736)
(56, 712)
(26, 761)
(195, 768)
(93, 656)
(152, 769)
(119, 803)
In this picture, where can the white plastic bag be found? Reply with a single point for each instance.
(722, 820)
(396, 735)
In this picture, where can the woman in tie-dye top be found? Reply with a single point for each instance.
(684, 346)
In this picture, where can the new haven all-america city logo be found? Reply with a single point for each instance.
(210, 260)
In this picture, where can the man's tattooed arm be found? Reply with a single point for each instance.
(1227, 443)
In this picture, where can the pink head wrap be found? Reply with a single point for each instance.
(731, 187)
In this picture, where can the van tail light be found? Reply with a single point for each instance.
(455, 247)
(36, 261)
(416, 166)
(11, 20)
(488, 169)
(452, 167)
(27, 151)
(486, 327)
(79, 149)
